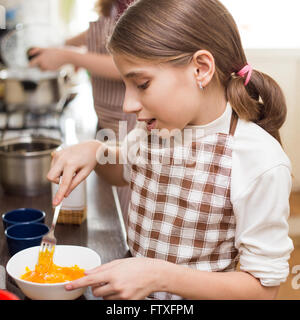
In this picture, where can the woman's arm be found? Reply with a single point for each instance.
(53, 58)
(77, 41)
(97, 64)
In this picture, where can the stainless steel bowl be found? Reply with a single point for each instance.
(24, 164)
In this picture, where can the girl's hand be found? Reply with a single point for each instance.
(126, 279)
(74, 164)
(48, 58)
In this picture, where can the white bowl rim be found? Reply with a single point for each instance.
(36, 284)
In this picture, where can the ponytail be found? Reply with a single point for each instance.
(261, 101)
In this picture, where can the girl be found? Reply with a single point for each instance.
(108, 89)
(222, 197)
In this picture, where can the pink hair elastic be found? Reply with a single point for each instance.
(246, 70)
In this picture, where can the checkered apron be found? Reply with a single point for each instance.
(180, 208)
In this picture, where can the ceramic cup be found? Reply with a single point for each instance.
(24, 235)
(23, 215)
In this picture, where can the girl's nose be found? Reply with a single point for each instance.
(130, 104)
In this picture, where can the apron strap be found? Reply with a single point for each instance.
(233, 123)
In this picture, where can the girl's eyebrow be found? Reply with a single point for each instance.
(134, 74)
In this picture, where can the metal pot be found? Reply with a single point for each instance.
(24, 164)
(31, 88)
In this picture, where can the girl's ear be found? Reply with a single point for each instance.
(204, 67)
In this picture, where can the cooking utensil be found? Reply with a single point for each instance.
(28, 87)
(24, 164)
(33, 89)
(48, 243)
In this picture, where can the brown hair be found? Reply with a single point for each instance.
(173, 30)
(103, 7)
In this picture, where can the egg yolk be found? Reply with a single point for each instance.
(46, 271)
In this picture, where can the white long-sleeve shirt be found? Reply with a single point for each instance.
(260, 188)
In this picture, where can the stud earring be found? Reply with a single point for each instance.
(199, 82)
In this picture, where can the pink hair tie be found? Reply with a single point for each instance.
(246, 70)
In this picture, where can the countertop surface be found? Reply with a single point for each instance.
(103, 231)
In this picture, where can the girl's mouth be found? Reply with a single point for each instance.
(151, 124)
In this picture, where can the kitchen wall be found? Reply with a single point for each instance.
(29, 11)
(284, 66)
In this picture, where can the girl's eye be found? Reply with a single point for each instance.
(144, 86)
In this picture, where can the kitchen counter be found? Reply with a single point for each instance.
(103, 231)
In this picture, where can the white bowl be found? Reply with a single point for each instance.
(66, 256)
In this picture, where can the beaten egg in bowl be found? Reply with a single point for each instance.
(64, 256)
(46, 271)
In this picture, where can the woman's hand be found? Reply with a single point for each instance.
(49, 58)
(126, 279)
(74, 164)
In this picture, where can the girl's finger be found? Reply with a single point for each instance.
(55, 172)
(92, 279)
(79, 177)
(103, 290)
(104, 267)
(55, 180)
(112, 297)
(52, 165)
(66, 181)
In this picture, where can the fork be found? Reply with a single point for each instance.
(48, 243)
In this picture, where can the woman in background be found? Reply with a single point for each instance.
(108, 89)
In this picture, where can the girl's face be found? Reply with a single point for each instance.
(164, 96)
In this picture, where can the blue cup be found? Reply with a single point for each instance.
(24, 235)
(23, 215)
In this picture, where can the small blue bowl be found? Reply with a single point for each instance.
(23, 215)
(24, 235)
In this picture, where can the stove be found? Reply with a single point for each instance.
(16, 121)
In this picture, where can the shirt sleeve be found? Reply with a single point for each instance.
(262, 227)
